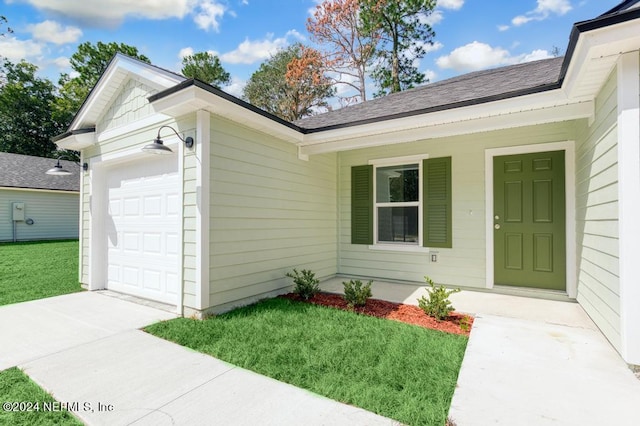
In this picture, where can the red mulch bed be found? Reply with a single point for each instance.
(394, 311)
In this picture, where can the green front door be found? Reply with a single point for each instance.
(529, 220)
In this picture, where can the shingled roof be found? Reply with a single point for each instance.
(468, 89)
(25, 171)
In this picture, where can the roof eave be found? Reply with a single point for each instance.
(76, 140)
(193, 95)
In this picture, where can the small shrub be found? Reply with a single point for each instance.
(306, 283)
(356, 293)
(465, 323)
(438, 305)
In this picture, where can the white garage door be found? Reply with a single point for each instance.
(142, 229)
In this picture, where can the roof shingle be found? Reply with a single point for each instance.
(25, 171)
(473, 88)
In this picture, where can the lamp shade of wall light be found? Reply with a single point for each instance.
(58, 170)
(158, 146)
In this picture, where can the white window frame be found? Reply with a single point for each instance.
(398, 161)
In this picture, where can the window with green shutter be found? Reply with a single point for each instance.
(393, 210)
(437, 225)
(362, 205)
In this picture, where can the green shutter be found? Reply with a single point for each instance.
(362, 205)
(437, 222)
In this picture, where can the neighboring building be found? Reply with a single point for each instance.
(45, 207)
(522, 177)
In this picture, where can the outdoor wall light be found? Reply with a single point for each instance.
(57, 170)
(158, 147)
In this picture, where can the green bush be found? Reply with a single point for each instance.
(306, 283)
(356, 293)
(438, 305)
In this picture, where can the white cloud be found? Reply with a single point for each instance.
(113, 12)
(430, 75)
(15, 50)
(209, 15)
(503, 27)
(251, 51)
(110, 13)
(53, 32)
(476, 56)
(544, 9)
(185, 51)
(428, 48)
(559, 7)
(62, 63)
(236, 87)
(451, 4)
(534, 56)
(432, 19)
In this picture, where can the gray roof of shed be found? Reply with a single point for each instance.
(25, 171)
(468, 89)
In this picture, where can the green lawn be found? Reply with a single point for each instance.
(35, 270)
(401, 371)
(40, 407)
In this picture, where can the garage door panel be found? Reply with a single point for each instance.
(143, 207)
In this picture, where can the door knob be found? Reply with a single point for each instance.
(497, 226)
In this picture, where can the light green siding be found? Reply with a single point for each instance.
(128, 142)
(129, 105)
(55, 215)
(270, 212)
(597, 214)
(189, 211)
(464, 263)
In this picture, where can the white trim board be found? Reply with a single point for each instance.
(570, 206)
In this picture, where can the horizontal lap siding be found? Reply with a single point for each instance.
(129, 106)
(55, 215)
(597, 214)
(270, 212)
(464, 264)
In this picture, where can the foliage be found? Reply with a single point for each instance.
(89, 62)
(356, 293)
(336, 26)
(29, 271)
(205, 67)
(27, 112)
(306, 283)
(290, 85)
(438, 305)
(403, 34)
(4, 21)
(397, 370)
(15, 386)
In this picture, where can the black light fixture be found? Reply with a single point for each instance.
(57, 170)
(158, 147)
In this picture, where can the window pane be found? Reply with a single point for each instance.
(398, 224)
(397, 184)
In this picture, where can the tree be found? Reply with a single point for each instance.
(349, 52)
(26, 110)
(205, 67)
(290, 85)
(89, 62)
(403, 34)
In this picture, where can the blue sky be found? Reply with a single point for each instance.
(470, 34)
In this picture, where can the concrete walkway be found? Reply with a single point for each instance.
(86, 350)
(532, 362)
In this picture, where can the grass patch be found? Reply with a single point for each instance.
(397, 370)
(37, 269)
(15, 386)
